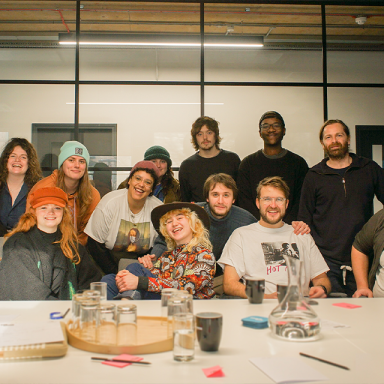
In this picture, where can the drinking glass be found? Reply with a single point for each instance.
(183, 337)
(187, 297)
(166, 294)
(126, 324)
(106, 329)
(176, 304)
(100, 287)
(88, 310)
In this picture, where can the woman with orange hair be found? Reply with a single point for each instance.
(42, 259)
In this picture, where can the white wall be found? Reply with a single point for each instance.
(238, 109)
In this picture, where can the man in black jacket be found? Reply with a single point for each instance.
(337, 200)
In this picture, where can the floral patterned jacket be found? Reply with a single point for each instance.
(180, 269)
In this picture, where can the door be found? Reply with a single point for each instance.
(369, 143)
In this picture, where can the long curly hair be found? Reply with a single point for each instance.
(167, 181)
(68, 242)
(200, 235)
(33, 174)
(84, 192)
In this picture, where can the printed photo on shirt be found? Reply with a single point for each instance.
(274, 252)
(132, 238)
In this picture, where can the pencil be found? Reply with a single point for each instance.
(120, 361)
(324, 361)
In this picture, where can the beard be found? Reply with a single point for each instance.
(277, 219)
(337, 153)
(207, 146)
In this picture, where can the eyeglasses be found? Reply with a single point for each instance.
(266, 126)
(277, 200)
(148, 183)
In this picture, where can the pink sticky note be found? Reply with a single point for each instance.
(347, 305)
(215, 371)
(124, 356)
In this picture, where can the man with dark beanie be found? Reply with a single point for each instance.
(272, 160)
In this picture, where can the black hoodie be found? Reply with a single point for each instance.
(337, 207)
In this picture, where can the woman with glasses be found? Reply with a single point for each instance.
(19, 172)
(167, 188)
(120, 226)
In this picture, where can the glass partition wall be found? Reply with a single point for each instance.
(135, 74)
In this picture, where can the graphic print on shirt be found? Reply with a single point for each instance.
(132, 238)
(274, 252)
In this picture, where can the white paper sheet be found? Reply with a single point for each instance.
(30, 333)
(287, 369)
(7, 318)
(328, 324)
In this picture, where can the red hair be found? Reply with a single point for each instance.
(68, 242)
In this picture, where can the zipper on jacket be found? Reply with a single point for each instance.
(345, 189)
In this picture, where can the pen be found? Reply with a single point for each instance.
(66, 313)
(120, 361)
(324, 361)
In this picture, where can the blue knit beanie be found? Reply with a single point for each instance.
(73, 148)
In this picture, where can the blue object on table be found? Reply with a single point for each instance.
(257, 322)
(55, 316)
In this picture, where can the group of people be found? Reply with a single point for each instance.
(60, 235)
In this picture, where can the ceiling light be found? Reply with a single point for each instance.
(162, 40)
(360, 20)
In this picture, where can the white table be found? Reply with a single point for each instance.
(359, 347)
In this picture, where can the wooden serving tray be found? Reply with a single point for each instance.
(152, 337)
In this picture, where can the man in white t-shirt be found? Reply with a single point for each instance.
(257, 250)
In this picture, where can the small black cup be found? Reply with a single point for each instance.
(254, 288)
(281, 292)
(209, 326)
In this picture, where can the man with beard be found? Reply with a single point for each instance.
(272, 160)
(208, 159)
(337, 200)
(220, 193)
(256, 250)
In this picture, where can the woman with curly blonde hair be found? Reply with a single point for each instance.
(19, 172)
(42, 259)
(189, 263)
(72, 178)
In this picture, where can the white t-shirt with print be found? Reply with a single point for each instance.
(112, 223)
(257, 251)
